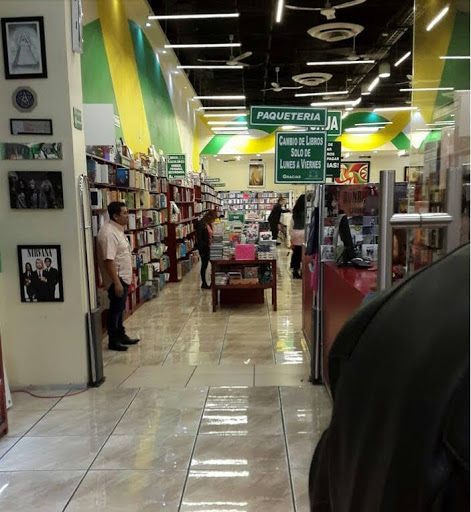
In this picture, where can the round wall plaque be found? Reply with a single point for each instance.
(24, 99)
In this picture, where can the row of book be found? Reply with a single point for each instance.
(207, 189)
(101, 198)
(148, 254)
(182, 194)
(184, 248)
(146, 218)
(184, 266)
(183, 230)
(251, 195)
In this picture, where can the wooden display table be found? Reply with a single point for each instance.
(225, 265)
(3, 399)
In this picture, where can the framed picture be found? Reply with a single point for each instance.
(256, 175)
(24, 47)
(40, 272)
(31, 126)
(412, 174)
(36, 190)
(353, 173)
(31, 151)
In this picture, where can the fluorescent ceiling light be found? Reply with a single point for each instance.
(231, 133)
(228, 128)
(345, 114)
(227, 122)
(426, 129)
(332, 93)
(229, 97)
(416, 89)
(455, 57)
(373, 84)
(339, 62)
(395, 109)
(437, 18)
(235, 114)
(193, 16)
(402, 59)
(210, 67)
(334, 103)
(363, 129)
(349, 109)
(279, 10)
(382, 123)
(217, 45)
(223, 108)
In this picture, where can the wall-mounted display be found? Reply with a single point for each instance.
(353, 173)
(24, 47)
(40, 272)
(256, 175)
(31, 126)
(31, 151)
(24, 99)
(36, 190)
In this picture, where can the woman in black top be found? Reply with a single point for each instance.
(275, 216)
(204, 234)
(297, 234)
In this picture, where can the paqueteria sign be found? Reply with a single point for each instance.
(293, 116)
(300, 157)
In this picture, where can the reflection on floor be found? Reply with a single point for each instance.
(210, 412)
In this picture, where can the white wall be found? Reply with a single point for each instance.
(45, 344)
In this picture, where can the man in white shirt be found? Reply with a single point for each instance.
(115, 261)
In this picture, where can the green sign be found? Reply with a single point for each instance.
(234, 217)
(290, 116)
(300, 157)
(176, 166)
(216, 185)
(334, 124)
(334, 159)
(77, 118)
(212, 180)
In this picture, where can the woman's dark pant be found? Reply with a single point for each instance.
(204, 267)
(296, 257)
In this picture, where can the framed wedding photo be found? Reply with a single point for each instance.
(24, 47)
(40, 272)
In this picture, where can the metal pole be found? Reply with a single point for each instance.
(421, 220)
(386, 211)
(454, 188)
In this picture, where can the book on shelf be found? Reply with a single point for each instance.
(122, 177)
(132, 221)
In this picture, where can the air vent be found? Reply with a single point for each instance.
(332, 32)
(312, 79)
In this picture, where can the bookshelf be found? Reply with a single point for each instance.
(249, 201)
(145, 192)
(206, 198)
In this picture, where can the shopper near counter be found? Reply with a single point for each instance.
(204, 237)
(297, 228)
(399, 377)
(275, 217)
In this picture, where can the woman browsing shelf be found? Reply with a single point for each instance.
(204, 236)
(297, 235)
(275, 217)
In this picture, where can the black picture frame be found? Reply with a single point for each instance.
(36, 190)
(45, 126)
(24, 50)
(38, 282)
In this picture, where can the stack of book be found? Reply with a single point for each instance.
(221, 279)
(267, 250)
(216, 250)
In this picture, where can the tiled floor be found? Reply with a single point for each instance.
(210, 412)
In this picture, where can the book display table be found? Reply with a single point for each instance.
(241, 292)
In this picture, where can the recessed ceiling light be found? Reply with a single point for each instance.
(193, 16)
(148, 24)
(228, 97)
(424, 89)
(339, 62)
(164, 51)
(402, 59)
(210, 67)
(327, 93)
(217, 45)
(437, 18)
(258, 154)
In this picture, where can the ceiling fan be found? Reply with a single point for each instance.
(232, 60)
(409, 81)
(328, 10)
(350, 53)
(276, 87)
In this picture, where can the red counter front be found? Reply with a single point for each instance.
(344, 290)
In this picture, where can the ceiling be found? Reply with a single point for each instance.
(387, 36)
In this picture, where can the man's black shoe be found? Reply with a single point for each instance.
(117, 346)
(126, 340)
(205, 287)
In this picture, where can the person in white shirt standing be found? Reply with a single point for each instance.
(115, 262)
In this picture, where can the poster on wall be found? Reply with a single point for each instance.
(36, 190)
(40, 272)
(31, 151)
(24, 47)
(256, 175)
(353, 173)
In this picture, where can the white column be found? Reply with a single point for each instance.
(45, 343)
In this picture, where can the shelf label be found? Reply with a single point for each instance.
(333, 159)
(300, 157)
(176, 166)
(292, 116)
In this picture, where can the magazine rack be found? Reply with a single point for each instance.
(3, 399)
